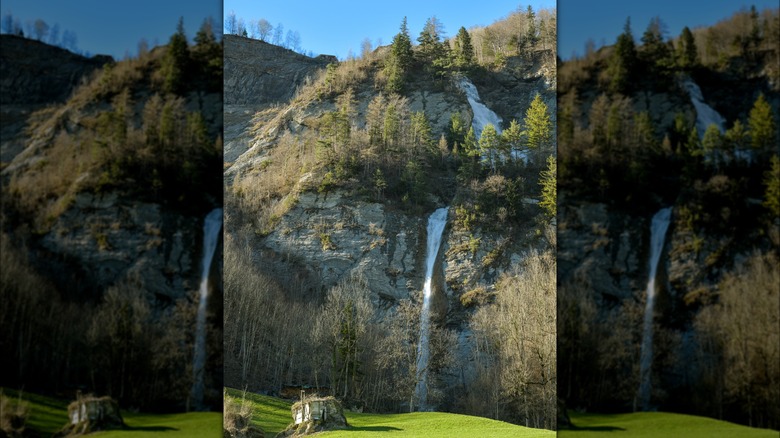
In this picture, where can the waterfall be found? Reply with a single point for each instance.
(211, 227)
(658, 227)
(436, 224)
(482, 114)
(705, 114)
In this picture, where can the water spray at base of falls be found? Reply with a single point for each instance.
(658, 227)
(436, 224)
(211, 227)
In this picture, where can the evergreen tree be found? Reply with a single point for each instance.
(711, 144)
(464, 50)
(736, 138)
(176, 61)
(470, 145)
(687, 54)
(512, 138)
(392, 126)
(434, 54)
(530, 34)
(399, 61)
(401, 48)
(761, 122)
(421, 133)
(654, 51)
(772, 184)
(538, 127)
(207, 55)
(456, 131)
(623, 61)
(645, 131)
(549, 189)
(375, 119)
(379, 184)
(489, 142)
(430, 40)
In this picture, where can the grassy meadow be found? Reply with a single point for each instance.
(658, 424)
(273, 415)
(48, 415)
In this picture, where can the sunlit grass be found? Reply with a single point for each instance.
(658, 424)
(273, 415)
(48, 415)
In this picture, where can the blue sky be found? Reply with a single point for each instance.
(114, 27)
(336, 26)
(603, 20)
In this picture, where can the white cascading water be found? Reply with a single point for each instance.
(658, 227)
(705, 114)
(482, 114)
(211, 227)
(436, 224)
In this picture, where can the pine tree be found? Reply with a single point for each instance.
(207, 55)
(399, 61)
(530, 33)
(512, 138)
(687, 54)
(176, 61)
(623, 61)
(430, 40)
(538, 127)
(470, 145)
(736, 138)
(489, 145)
(456, 131)
(421, 134)
(464, 50)
(772, 184)
(654, 51)
(761, 122)
(379, 184)
(549, 189)
(711, 144)
(401, 48)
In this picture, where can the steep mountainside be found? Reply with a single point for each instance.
(103, 221)
(328, 209)
(32, 75)
(691, 125)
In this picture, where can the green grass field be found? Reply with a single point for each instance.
(658, 424)
(273, 415)
(48, 415)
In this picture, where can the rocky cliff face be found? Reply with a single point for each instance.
(104, 239)
(33, 75)
(33, 72)
(258, 73)
(98, 237)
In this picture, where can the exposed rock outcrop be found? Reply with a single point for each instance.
(32, 72)
(259, 73)
(106, 238)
